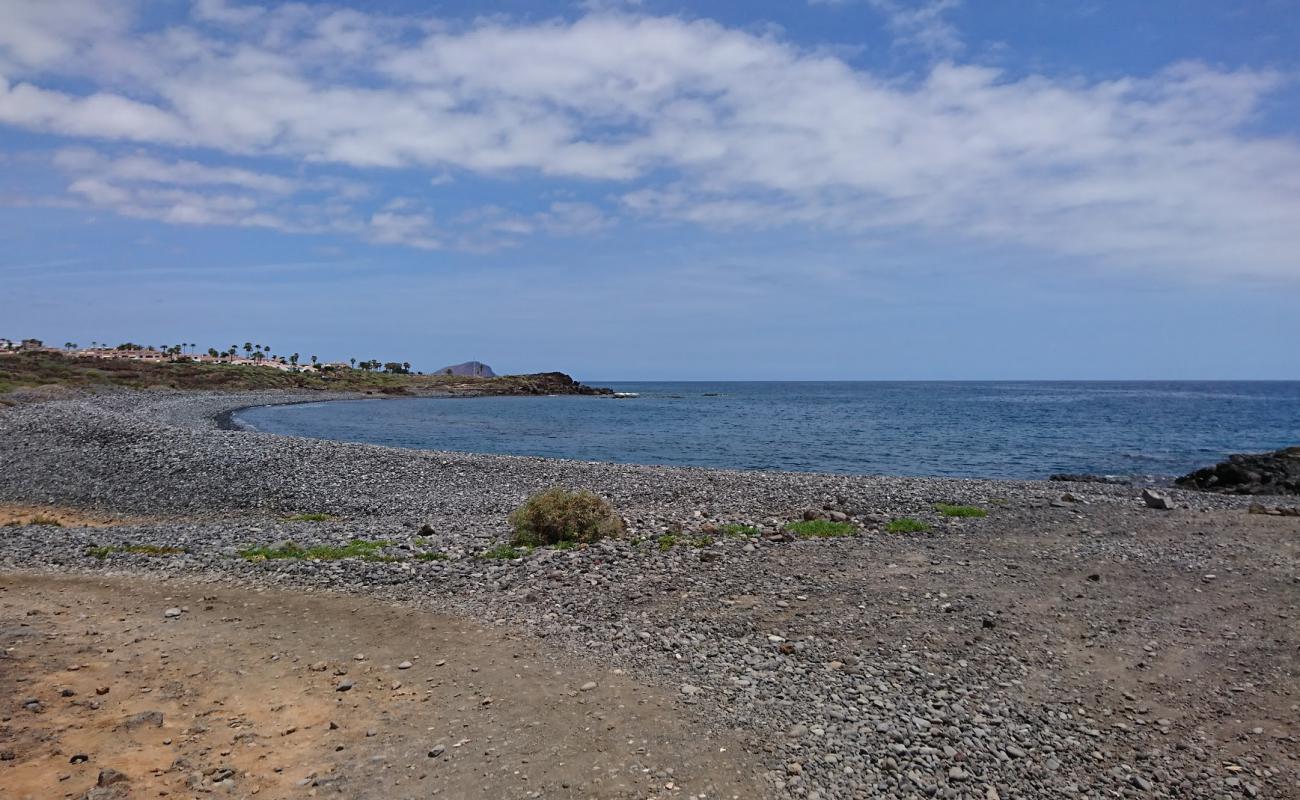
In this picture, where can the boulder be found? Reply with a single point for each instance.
(1250, 473)
(1158, 500)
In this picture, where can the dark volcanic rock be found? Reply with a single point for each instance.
(1250, 473)
(469, 369)
(1071, 477)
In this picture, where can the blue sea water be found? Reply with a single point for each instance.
(968, 429)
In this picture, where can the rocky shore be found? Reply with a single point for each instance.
(1073, 642)
(1250, 473)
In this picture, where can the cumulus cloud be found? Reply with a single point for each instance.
(681, 120)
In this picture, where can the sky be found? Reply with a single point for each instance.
(759, 190)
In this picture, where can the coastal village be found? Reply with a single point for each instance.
(254, 355)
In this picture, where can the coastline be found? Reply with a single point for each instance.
(825, 652)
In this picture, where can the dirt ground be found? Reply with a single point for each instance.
(239, 695)
(65, 517)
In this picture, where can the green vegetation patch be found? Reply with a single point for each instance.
(431, 557)
(505, 552)
(558, 515)
(736, 530)
(820, 529)
(668, 541)
(907, 525)
(316, 517)
(357, 548)
(960, 511)
(139, 549)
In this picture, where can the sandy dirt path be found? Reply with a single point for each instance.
(242, 694)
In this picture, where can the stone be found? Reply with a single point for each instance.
(437, 750)
(344, 685)
(1157, 500)
(108, 777)
(588, 686)
(172, 613)
(405, 665)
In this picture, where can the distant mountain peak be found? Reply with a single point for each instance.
(469, 369)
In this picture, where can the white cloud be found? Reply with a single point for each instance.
(685, 120)
(921, 24)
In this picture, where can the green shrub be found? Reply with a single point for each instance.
(907, 525)
(315, 517)
(820, 528)
(960, 511)
(557, 515)
(668, 541)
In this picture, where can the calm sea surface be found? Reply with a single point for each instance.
(1010, 430)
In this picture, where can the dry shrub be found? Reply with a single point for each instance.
(557, 515)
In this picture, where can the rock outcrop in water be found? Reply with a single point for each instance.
(469, 369)
(1250, 473)
(536, 383)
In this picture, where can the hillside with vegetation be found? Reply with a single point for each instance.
(51, 368)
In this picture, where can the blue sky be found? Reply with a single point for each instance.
(837, 189)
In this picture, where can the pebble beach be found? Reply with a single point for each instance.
(1074, 642)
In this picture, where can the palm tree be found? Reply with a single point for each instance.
(248, 348)
(313, 359)
(354, 362)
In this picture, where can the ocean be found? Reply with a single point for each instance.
(1153, 430)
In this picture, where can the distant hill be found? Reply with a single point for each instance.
(470, 369)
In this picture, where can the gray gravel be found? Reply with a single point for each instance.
(1037, 653)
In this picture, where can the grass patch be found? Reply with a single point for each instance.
(505, 552)
(668, 541)
(960, 511)
(906, 525)
(557, 515)
(736, 530)
(820, 529)
(316, 517)
(564, 544)
(43, 520)
(357, 548)
(139, 549)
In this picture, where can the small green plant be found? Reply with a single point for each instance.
(736, 530)
(668, 541)
(960, 511)
(906, 525)
(701, 541)
(139, 549)
(558, 515)
(505, 552)
(431, 557)
(357, 548)
(564, 544)
(314, 517)
(820, 529)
